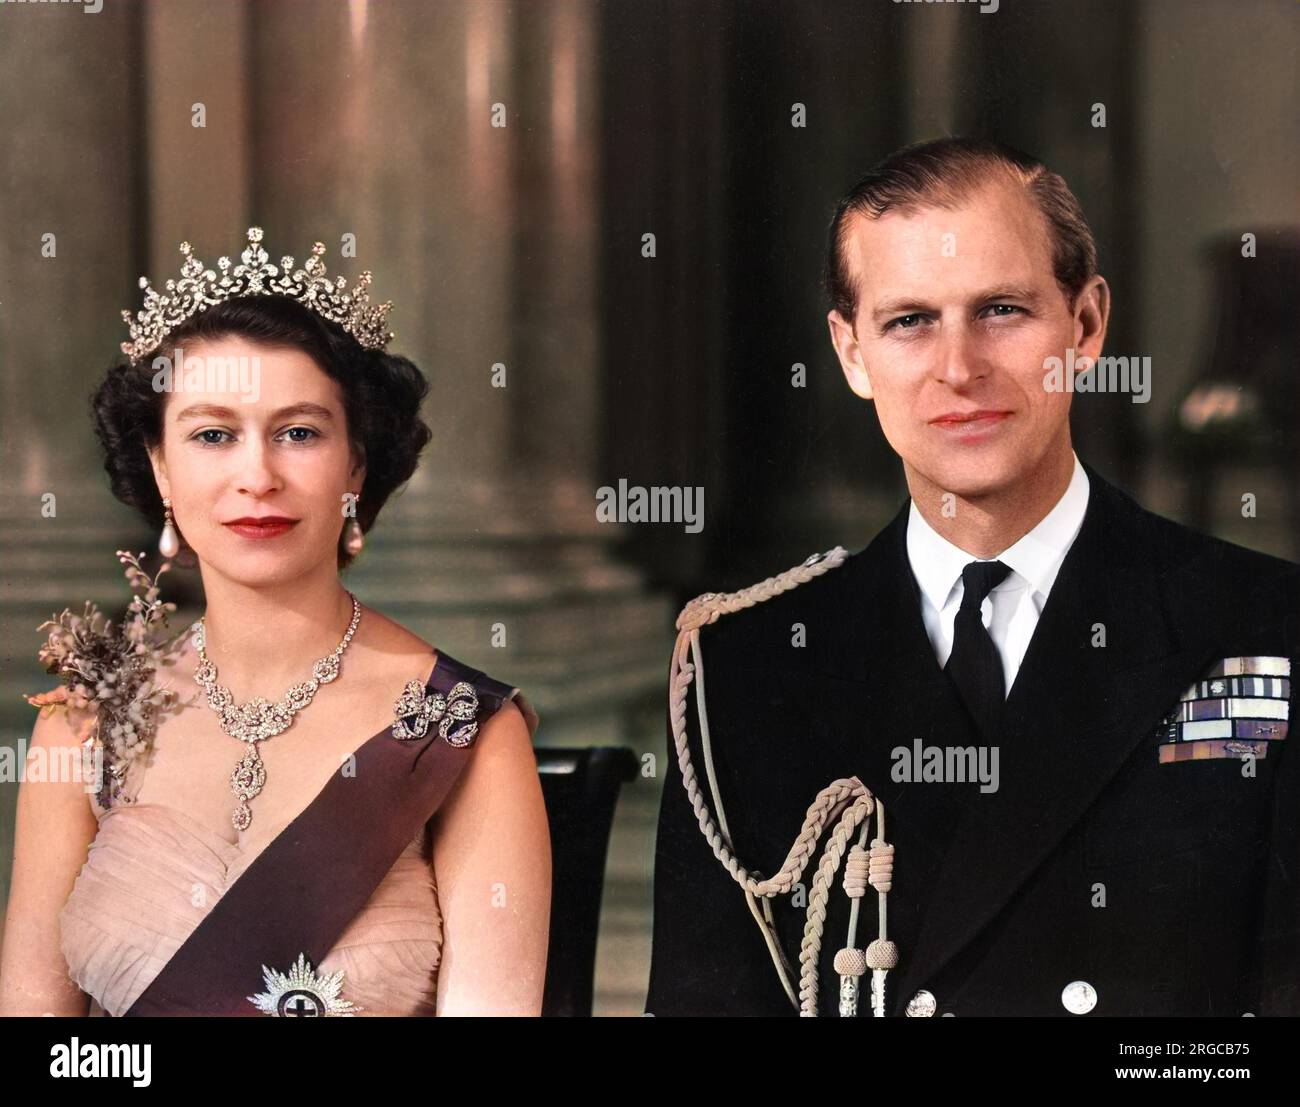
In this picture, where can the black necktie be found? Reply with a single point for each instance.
(975, 664)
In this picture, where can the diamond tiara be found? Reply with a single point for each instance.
(199, 288)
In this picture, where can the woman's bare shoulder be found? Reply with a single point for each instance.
(388, 633)
(389, 643)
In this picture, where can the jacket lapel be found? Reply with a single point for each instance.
(1076, 712)
(896, 695)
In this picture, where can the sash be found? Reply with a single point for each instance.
(303, 889)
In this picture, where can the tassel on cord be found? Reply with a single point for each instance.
(875, 868)
(847, 800)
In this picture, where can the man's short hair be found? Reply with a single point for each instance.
(943, 173)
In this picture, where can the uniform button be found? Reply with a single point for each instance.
(922, 1005)
(1079, 997)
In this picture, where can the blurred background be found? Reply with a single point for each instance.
(501, 165)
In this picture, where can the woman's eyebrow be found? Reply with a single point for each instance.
(216, 411)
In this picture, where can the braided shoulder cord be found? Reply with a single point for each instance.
(847, 798)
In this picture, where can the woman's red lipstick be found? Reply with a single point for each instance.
(266, 526)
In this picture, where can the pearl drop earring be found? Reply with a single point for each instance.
(169, 544)
(355, 539)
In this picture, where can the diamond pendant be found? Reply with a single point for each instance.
(259, 719)
(246, 782)
(255, 720)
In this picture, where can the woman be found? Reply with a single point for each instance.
(305, 809)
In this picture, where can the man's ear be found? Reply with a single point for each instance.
(850, 354)
(1091, 315)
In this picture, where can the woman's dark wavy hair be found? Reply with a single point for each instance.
(382, 394)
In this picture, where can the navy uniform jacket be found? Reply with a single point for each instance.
(1172, 888)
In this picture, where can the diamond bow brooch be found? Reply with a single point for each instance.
(456, 713)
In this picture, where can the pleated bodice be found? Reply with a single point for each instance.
(153, 872)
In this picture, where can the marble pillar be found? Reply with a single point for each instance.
(322, 121)
(457, 143)
(69, 255)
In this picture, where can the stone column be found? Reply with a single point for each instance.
(71, 129)
(324, 120)
(485, 237)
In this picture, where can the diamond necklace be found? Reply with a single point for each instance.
(257, 719)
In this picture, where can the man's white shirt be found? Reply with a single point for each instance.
(1011, 610)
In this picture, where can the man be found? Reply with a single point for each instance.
(1135, 849)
